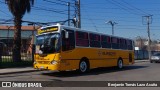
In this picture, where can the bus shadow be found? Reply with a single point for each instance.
(95, 71)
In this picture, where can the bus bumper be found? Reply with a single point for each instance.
(46, 67)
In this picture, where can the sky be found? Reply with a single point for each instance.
(128, 14)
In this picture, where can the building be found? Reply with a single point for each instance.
(27, 35)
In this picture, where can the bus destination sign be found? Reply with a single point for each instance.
(45, 30)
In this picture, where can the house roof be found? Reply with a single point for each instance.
(26, 28)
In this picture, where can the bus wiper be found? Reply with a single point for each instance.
(46, 40)
(44, 45)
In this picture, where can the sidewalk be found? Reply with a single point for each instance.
(17, 70)
(137, 61)
(31, 69)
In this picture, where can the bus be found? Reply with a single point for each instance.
(64, 48)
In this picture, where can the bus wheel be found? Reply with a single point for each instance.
(83, 66)
(120, 64)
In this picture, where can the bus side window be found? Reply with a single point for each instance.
(95, 40)
(105, 41)
(82, 39)
(129, 45)
(68, 43)
(115, 42)
(123, 44)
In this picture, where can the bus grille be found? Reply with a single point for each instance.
(43, 62)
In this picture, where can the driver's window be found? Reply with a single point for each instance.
(68, 43)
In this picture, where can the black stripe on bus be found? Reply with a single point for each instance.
(95, 59)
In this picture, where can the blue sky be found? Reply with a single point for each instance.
(127, 13)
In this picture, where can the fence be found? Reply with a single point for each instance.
(142, 54)
(6, 55)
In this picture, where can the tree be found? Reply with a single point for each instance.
(18, 8)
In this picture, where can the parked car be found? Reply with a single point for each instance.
(155, 58)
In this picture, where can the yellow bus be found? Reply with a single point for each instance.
(62, 48)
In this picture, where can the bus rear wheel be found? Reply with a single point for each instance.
(83, 66)
(120, 64)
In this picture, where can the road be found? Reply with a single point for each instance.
(142, 71)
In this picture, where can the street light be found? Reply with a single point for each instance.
(112, 24)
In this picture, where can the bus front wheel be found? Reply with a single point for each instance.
(83, 66)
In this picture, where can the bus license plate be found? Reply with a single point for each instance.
(41, 67)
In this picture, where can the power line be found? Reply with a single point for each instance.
(5, 13)
(64, 3)
(125, 8)
(51, 10)
(92, 22)
(55, 2)
(134, 7)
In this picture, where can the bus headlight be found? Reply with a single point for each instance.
(54, 62)
(35, 62)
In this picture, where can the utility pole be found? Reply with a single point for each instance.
(78, 13)
(149, 21)
(112, 24)
(68, 4)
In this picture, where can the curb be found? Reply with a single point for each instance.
(34, 70)
(138, 61)
(14, 72)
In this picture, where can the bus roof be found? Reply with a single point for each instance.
(94, 32)
(83, 30)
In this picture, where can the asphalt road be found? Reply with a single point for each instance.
(143, 71)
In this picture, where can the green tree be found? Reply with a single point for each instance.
(18, 8)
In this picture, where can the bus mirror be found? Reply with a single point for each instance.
(66, 34)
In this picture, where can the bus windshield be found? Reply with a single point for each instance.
(48, 43)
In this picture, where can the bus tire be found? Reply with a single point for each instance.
(83, 66)
(120, 64)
